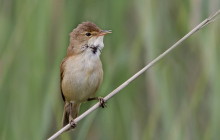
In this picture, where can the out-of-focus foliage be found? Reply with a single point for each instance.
(177, 99)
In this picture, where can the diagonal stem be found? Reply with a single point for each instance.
(110, 95)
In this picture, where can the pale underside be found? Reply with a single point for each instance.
(83, 74)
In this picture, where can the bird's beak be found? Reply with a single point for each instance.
(104, 32)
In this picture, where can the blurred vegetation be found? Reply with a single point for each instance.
(177, 99)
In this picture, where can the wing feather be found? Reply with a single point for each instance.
(61, 76)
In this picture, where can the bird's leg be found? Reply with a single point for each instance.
(71, 120)
(101, 101)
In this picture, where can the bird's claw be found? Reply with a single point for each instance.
(72, 124)
(102, 102)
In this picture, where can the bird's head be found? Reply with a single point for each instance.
(87, 36)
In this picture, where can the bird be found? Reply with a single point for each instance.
(81, 72)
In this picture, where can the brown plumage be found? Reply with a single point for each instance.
(81, 70)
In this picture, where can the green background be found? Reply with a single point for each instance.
(177, 99)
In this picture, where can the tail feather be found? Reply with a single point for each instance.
(70, 112)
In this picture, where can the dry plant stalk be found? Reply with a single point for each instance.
(110, 95)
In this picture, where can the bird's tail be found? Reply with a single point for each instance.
(70, 112)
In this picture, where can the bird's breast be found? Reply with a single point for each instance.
(82, 77)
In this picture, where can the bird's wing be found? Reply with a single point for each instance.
(61, 76)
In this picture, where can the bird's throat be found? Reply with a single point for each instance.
(94, 49)
(95, 44)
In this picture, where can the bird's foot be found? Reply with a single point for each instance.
(72, 124)
(101, 101)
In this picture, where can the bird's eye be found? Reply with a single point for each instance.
(88, 34)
